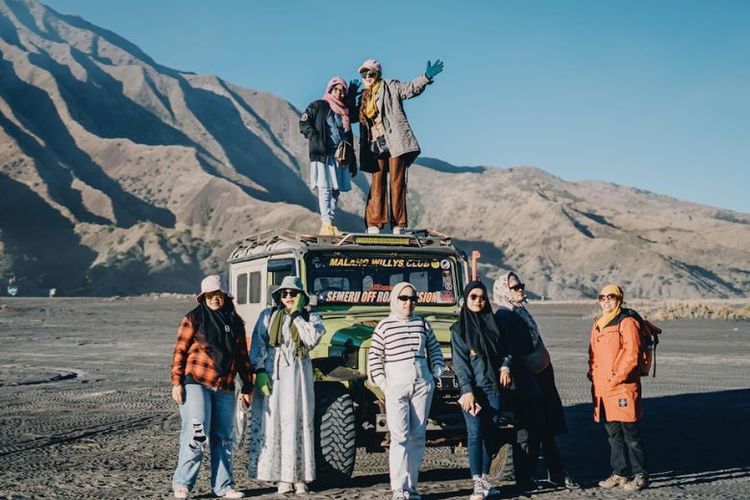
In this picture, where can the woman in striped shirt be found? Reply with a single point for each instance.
(404, 360)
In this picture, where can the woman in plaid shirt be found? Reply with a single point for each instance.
(210, 349)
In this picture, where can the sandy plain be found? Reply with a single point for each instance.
(86, 411)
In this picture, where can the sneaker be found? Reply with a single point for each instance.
(283, 488)
(336, 231)
(181, 492)
(398, 495)
(639, 482)
(564, 481)
(373, 230)
(613, 481)
(327, 230)
(478, 493)
(487, 486)
(399, 230)
(413, 494)
(232, 493)
(301, 488)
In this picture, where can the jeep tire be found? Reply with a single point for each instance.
(335, 434)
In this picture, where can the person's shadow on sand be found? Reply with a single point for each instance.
(689, 439)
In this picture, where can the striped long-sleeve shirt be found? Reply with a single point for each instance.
(398, 340)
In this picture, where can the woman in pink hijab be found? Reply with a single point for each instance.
(326, 123)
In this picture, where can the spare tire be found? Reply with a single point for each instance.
(335, 434)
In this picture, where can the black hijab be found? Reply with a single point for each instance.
(216, 331)
(481, 333)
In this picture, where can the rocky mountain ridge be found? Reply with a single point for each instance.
(122, 176)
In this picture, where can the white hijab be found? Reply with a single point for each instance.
(395, 292)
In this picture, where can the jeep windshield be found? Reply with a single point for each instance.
(355, 278)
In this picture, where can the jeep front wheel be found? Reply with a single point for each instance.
(335, 433)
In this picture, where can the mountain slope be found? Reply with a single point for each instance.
(119, 175)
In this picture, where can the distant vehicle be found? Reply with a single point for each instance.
(12, 287)
(349, 279)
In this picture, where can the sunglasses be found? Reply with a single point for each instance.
(518, 288)
(289, 293)
(475, 296)
(609, 296)
(410, 298)
(369, 74)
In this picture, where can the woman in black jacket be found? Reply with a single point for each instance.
(326, 123)
(539, 410)
(483, 368)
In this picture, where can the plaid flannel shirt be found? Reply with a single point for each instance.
(190, 358)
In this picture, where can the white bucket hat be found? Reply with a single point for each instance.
(210, 284)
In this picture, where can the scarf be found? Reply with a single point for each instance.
(481, 333)
(395, 292)
(216, 331)
(337, 105)
(602, 322)
(276, 334)
(503, 296)
(368, 109)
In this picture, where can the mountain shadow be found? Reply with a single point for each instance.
(35, 110)
(41, 247)
(444, 166)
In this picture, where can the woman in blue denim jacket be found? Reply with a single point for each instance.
(482, 366)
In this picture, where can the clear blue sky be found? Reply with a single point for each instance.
(653, 94)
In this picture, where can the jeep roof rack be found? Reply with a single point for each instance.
(266, 239)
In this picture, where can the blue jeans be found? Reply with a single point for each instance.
(482, 431)
(206, 413)
(327, 200)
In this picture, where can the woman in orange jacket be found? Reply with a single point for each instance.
(616, 389)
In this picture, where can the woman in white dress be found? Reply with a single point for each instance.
(281, 433)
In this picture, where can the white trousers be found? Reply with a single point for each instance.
(408, 394)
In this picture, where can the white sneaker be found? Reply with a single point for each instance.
(301, 488)
(373, 230)
(399, 230)
(283, 488)
(181, 492)
(232, 493)
(478, 492)
(487, 486)
(398, 495)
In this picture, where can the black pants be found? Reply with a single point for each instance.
(624, 435)
(526, 454)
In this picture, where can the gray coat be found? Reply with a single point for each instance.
(398, 133)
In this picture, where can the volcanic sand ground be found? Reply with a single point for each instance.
(86, 412)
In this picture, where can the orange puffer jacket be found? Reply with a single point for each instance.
(613, 370)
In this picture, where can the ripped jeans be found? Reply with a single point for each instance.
(207, 420)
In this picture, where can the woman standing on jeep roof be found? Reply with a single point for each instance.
(387, 145)
(326, 123)
(281, 433)
(210, 349)
(482, 367)
(541, 415)
(404, 359)
(616, 388)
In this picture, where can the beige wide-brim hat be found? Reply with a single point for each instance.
(212, 283)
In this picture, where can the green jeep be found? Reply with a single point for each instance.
(349, 278)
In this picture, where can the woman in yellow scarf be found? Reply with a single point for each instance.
(387, 144)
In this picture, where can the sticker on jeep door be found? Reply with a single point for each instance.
(354, 279)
